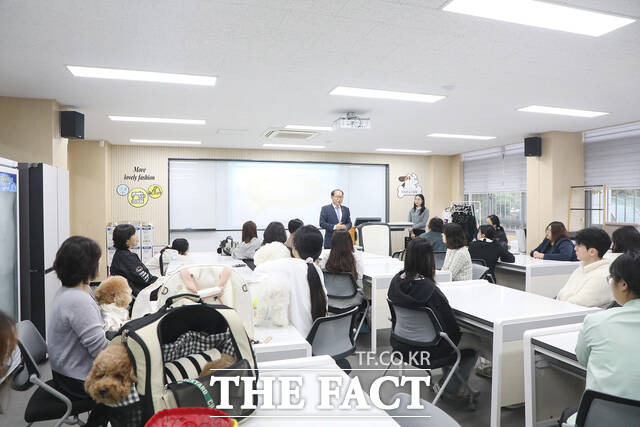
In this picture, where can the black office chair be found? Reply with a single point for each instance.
(439, 258)
(418, 329)
(487, 275)
(399, 255)
(600, 409)
(46, 403)
(334, 336)
(343, 294)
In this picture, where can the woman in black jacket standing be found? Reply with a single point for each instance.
(127, 264)
(415, 287)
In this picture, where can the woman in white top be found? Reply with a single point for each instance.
(342, 258)
(457, 259)
(272, 244)
(625, 238)
(308, 296)
(250, 242)
(158, 264)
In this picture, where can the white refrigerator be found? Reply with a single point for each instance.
(44, 225)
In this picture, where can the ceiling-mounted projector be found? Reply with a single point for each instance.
(352, 121)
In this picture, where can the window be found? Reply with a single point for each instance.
(623, 205)
(510, 206)
(497, 179)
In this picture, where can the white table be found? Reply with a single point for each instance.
(286, 343)
(556, 345)
(377, 274)
(506, 314)
(310, 368)
(212, 258)
(542, 276)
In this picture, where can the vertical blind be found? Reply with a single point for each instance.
(495, 170)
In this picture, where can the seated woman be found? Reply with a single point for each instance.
(293, 226)
(606, 344)
(74, 333)
(126, 263)
(436, 227)
(457, 259)
(556, 245)
(415, 286)
(625, 238)
(307, 294)
(250, 242)
(158, 264)
(8, 353)
(500, 236)
(272, 244)
(342, 257)
(488, 250)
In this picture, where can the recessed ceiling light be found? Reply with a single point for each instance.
(561, 111)
(401, 150)
(157, 120)
(305, 127)
(456, 136)
(385, 94)
(541, 14)
(293, 146)
(143, 76)
(163, 141)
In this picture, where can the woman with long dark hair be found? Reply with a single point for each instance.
(418, 215)
(342, 258)
(500, 236)
(250, 243)
(304, 279)
(272, 244)
(557, 244)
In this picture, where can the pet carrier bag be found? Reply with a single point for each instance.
(236, 291)
(173, 344)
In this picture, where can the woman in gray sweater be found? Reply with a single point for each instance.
(75, 335)
(418, 215)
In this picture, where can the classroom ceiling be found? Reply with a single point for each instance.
(276, 61)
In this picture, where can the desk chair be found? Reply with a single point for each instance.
(375, 237)
(601, 409)
(418, 329)
(343, 294)
(429, 415)
(439, 258)
(399, 255)
(334, 336)
(46, 403)
(487, 275)
(479, 272)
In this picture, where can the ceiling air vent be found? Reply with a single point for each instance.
(298, 135)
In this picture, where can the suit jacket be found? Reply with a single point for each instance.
(328, 219)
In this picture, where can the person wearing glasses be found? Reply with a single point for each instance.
(587, 285)
(334, 217)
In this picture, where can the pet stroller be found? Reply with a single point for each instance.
(170, 346)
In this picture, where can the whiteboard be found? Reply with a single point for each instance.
(223, 194)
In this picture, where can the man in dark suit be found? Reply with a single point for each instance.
(334, 217)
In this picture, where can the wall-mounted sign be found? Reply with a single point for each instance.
(139, 174)
(409, 185)
(155, 191)
(122, 189)
(138, 197)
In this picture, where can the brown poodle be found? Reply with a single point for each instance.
(224, 362)
(111, 375)
(114, 290)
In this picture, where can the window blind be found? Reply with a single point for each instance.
(495, 170)
(612, 162)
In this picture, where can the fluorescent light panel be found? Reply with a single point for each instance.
(293, 146)
(456, 136)
(163, 141)
(157, 120)
(541, 14)
(143, 76)
(401, 150)
(305, 127)
(385, 94)
(561, 111)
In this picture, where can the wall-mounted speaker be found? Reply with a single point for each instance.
(72, 124)
(533, 146)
